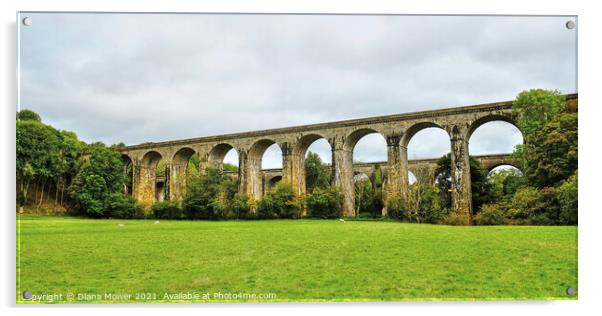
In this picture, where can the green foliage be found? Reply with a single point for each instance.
(424, 205)
(396, 207)
(504, 183)
(453, 218)
(535, 108)
(241, 206)
(38, 155)
(281, 203)
(160, 168)
(324, 203)
(28, 115)
(568, 199)
(317, 174)
(192, 169)
(532, 206)
(492, 214)
(551, 154)
(230, 167)
(100, 176)
(167, 210)
(207, 195)
(120, 205)
(480, 187)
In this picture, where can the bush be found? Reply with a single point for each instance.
(567, 197)
(167, 210)
(324, 203)
(531, 206)
(207, 196)
(492, 214)
(453, 218)
(279, 204)
(268, 207)
(425, 204)
(120, 205)
(396, 207)
(241, 206)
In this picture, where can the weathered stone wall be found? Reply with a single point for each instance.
(397, 130)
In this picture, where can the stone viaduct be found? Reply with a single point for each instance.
(424, 170)
(398, 130)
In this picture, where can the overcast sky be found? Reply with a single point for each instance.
(136, 78)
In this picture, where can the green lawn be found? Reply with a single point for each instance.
(297, 260)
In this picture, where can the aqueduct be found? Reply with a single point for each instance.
(398, 130)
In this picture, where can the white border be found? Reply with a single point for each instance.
(589, 221)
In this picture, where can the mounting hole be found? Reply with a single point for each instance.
(570, 24)
(27, 295)
(570, 291)
(27, 21)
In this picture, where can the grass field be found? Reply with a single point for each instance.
(294, 260)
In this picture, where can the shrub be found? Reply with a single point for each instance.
(207, 196)
(567, 197)
(453, 218)
(281, 203)
(492, 214)
(241, 206)
(531, 206)
(396, 207)
(167, 210)
(324, 203)
(267, 207)
(120, 205)
(424, 205)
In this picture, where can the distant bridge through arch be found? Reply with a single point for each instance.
(398, 130)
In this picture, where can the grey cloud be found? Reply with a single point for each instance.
(134, 78)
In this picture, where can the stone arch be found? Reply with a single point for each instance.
(218, 153)
(503, 125)
(354, 137)
(513, 164)
(415, 128)
(490, 118)
(271, 183)
(422, 174)
(149, 191)
(179, 164)
(255, 157)
(298, 155)
(348, 181)
(128, 172)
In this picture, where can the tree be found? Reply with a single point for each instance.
(504, 183)
(480, 187)
(551, 154)
(424, 205)
(324, 203)
(568, 198)
(534, 108)
(209, 195)
(317, 174)
(100, 176)
(28, 115)
(38, 156)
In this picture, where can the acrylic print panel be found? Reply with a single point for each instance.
(295, 158)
